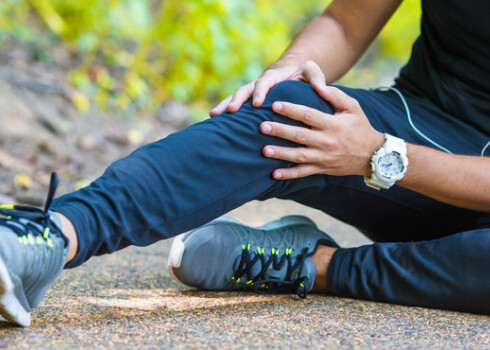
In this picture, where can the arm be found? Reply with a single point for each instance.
(339, 36)
(326, 48)
(462, 181)
(343, 145)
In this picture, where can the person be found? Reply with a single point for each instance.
(376, 159)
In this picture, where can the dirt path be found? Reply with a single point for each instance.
(128, 301)
(42, 132)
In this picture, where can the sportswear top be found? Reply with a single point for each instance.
(450, 61)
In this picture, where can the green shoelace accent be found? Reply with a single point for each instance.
(20, 219)
(276, 261)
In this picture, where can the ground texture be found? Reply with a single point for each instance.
(128, 301)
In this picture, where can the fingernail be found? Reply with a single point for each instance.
(269, 152)
(277, 106)
(267, 128)
(278, 175)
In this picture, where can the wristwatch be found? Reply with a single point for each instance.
(388, 164)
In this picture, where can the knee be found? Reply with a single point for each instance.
(299, 93)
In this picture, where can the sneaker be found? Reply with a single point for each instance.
(227, 255)
(33, 252)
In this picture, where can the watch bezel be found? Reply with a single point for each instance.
(379, 171)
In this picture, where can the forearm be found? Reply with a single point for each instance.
(337, 38)
(462, 181)
(323, 41)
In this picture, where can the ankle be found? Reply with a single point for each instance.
(70, 233)
(321, 258)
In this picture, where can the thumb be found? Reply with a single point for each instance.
(313, 74)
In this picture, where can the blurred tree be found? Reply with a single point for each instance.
(134, 54)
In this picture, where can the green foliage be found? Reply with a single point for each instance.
(401, 30)
(138, 53)
(390, 50)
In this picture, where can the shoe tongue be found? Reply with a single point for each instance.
(279, 274)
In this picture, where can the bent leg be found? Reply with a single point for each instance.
(450, 273)
(182, 181)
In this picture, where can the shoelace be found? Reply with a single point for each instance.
(26, 230)
(271, 285)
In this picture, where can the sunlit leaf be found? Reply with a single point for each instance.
(22, 181)
(81, 102)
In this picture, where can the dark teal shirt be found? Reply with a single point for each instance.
(450, 62)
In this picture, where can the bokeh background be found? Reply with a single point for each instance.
(134, 55)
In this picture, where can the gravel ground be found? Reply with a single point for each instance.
(127, 300)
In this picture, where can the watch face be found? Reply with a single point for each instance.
(390, 165)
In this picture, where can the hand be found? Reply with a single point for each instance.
(257, 89)
(338, 144)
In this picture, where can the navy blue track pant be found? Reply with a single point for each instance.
(426, 253)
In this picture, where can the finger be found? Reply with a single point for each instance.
(307, 115)
(292, 154)
(295, 172)
(297, 134)
(262, 87)
(221, 107)
(339, 99)
(241, 95)
(314, 74)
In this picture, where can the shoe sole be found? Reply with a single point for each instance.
(178, 246)
(10, 307)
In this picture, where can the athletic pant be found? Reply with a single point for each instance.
(426, 253)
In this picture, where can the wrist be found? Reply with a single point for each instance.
(290, 58)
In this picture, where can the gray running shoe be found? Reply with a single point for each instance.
(32, 254)
(227, 255)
